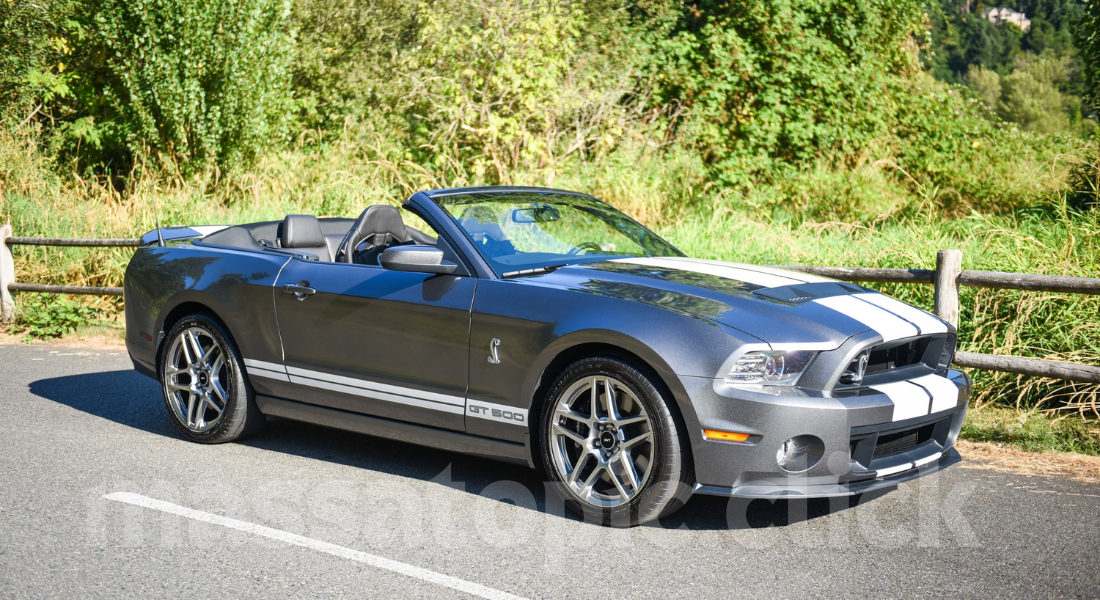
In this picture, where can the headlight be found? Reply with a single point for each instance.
(770, 367)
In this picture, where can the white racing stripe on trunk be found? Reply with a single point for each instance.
(909, 400)
(889, 326)
(712, 268)
(944, 393)
(294, 539)
(926, 322)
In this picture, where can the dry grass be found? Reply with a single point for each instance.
(1003, 457)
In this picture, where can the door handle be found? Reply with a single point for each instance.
(301, 290)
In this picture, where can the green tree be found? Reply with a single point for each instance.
(200, 82)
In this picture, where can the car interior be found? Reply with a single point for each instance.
(329, 239)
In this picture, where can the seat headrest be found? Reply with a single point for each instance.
(301, 231)
(383, 218)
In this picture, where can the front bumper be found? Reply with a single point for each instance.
(864, 448)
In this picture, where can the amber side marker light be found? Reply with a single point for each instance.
(725, 436)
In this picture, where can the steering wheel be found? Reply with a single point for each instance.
(585, 246)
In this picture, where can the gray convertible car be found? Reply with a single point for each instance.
(545, 327)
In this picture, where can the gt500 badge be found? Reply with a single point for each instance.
(497, 412)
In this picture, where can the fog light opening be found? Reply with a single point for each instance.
(800, 453)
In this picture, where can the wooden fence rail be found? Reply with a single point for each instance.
(947, 277)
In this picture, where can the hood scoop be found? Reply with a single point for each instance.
(804, 292)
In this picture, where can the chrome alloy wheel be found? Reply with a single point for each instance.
(194, 370)
(601, 441)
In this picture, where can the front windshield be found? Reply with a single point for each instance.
(518, 231)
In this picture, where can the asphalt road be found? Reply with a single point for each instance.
(318, 513)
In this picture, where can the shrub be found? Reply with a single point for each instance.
(50, 316)
(201, 82)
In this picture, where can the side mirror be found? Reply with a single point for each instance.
(417, 259)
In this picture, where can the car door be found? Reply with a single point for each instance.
(368, 340)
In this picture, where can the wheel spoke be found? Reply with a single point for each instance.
(634, 441)
(618, 482)
(623, 422)
(209, 400)
(196, 346)
(191, 409)
(568, 413)
(576, 472)
(216, 365)
(595, 399)
(175, 372)
(631, 472)
(576, 437)
(586, 487)
(612, 401)
(175, 387)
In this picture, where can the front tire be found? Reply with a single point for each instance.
(202, 379)
(611, 445)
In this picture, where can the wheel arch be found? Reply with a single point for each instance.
(558, 358)
(184, 308)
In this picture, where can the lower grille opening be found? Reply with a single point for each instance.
(892, 443)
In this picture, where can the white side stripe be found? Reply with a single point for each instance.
(909, 400)
(358, 387)
(926, 322)
(370, 385)
(889, 326)
(357, 391)
(280, 376)
(294, 539)
(944, 393)
(270, 366)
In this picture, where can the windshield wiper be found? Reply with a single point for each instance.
(532, 271)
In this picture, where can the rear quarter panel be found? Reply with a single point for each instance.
(236, 286)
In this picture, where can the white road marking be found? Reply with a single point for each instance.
(474, 589)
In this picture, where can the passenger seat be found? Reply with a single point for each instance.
(302, 233)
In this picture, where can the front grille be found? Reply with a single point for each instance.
(901, 359)
(902, 440)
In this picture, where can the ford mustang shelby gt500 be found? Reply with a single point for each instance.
(547, 328)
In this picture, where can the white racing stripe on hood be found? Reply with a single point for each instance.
(718, 269)
(795, 276)
(888, 325)
(924, 321)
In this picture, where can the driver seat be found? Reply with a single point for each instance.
(380, 226)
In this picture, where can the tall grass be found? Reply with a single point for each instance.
(865, 214)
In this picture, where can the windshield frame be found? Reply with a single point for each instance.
(438, 199)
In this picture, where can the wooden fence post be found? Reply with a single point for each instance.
(7, 276)
(946, 299)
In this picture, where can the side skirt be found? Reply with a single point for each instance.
(394, 430)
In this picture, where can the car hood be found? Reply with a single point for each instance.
(774, 305)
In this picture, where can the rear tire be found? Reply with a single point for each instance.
(202, 379)
(611, 445)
